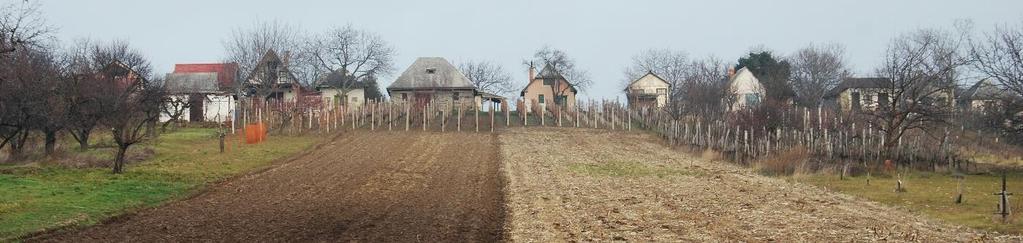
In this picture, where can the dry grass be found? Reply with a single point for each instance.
(788, 162)
(596, 185)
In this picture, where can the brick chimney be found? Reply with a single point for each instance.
(731, 73)
(532, 72)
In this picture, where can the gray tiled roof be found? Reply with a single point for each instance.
(181, 83)
(850, 83)
(985, 89)
(431, 73)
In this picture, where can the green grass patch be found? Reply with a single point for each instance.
(933, 194)
(42, 197)
(627, 169)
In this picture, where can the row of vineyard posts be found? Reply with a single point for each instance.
(824, 134)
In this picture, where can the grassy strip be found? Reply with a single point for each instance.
(43, 197)
(933, 195)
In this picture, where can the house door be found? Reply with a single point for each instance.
(422, 99)
(195, 111)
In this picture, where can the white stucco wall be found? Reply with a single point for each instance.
(356, 97)
(649, 84)
(216, 108)
(744, 84)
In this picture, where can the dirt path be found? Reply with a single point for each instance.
(366, 186)
(596, 185)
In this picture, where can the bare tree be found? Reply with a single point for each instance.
(921, 68)
(705, 89)
(174, 108)
(131, 100)
(1000, 55)
(563, 64)
(83, 111)
(672, 65)
(21, 24)
(21, 97)
(817, 68)
(348, 56)
(488, 77)
(247, 46)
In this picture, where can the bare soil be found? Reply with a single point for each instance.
(362, 186)
(598, 185)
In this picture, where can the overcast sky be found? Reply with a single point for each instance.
(601, 35)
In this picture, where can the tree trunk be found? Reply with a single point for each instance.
(51, 142)
(119, 159)
(151, 128)
(82, 136)
(18, 144)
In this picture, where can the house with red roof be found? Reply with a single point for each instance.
(208, 89)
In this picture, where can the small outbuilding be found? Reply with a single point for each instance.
(208, 90)
(648, 91)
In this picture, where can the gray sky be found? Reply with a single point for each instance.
(601, 35)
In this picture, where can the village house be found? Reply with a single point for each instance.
(855, 94)
(334, 88)
(985, 95)
(648, 91)
(433, 81)
(208, 90)
(868, 94)
(550, 87)
(272, 79)
(746, 89)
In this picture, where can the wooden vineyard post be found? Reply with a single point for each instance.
(507, 113)
(424, 116)
(408, 114)
(459, 116)
(576, 108)
(613, 118)
(543, 111)
(442, 121)
(372, 117)
(476, 114)
(559, 115)
(629, 113)
(959, 188)
(492, 108)
(1003, 200)
(390, 116)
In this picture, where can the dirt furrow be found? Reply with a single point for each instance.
(364, 186)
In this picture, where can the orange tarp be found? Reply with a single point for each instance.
(255, 133)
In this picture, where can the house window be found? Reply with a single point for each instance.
(541, 99)
(454, 96)
(548, 81)
(404, 96)
(752, 99)
(662, 91)
(431, 70)
(355, 99)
